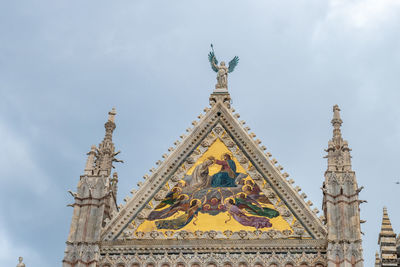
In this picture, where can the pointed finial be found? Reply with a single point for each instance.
(110, 124)
(337, 123)
(114, 183)
(90, 160)
(336, 114)
(336, 120)
(386, 227)
(386, 224)
(338, 149)
(111, 114)
(105, 153)
(385, 217)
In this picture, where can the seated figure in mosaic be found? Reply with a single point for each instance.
(227, 175)
(200, 178)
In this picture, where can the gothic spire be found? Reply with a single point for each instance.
(336, 123)
(387, 242)
(386, 227)
(95, 202)
(105, 152)
(338, 149)
(340, 202)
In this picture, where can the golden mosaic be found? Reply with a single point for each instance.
(216, 194)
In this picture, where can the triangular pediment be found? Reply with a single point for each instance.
(198, 193)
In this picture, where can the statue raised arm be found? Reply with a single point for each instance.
(221, 70)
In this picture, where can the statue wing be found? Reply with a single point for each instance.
(233, 63)
(212, 58)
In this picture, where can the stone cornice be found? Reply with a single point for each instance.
(129, 246)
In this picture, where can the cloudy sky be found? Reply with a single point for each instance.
(65, 64)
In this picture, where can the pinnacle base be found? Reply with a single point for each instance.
(220, 91)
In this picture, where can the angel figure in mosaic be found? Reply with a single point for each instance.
(245, 201)
(235, 212)
(182, 203)
(254, 192)
(170, 198)
(182, 220)
(222, 70)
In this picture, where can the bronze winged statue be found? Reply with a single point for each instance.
(222, 70)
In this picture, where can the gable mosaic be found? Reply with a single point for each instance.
(217, 199)
(217, 194)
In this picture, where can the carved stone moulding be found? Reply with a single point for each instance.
(228, 259)
(211, 245)
(297, 233)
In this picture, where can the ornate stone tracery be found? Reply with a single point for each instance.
(216, 259)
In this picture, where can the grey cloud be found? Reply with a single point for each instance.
(64, 64)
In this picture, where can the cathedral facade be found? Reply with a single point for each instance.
(219, 198)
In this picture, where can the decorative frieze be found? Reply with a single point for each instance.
(227, 259)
